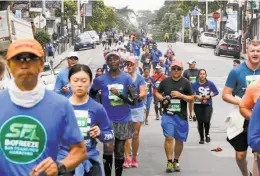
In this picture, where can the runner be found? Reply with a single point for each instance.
(191, 74)
(146, 59)
(150, 85)
(168, 62)
(175, 92)
(62, 83)
(170, 50)
(137, 112)
(204, 90)
(42, 121)
(92, 120)
(163, 65)
(236, 63)
(158, 77)
(238, 79)
(246, 106)
(117, 92)
(156, 54)
(166, 37)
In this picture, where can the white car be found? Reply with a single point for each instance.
(94, 36)
(208, 39)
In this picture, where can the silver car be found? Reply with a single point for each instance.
(208, 39)
(94, 35)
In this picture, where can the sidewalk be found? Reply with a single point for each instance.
(58, 59)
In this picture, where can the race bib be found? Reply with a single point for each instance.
(251, 78)
(84, 121)
(175, 105)
(148, 88)
(115, 100)
(157, 84)
(193, 79)
(147, 60)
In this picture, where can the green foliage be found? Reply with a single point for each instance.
(70, 9)
(144, 17)
(42, 37)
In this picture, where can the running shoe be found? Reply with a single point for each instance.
(134, 163)
(157, 117)
(169, 167)
(176, 166)
(201, 142)
(146, 122)
(127, 163)
(208, 138)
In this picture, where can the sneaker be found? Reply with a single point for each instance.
(194, 118)
(201, 142)
(170, 167)
(127, 163)
(146, 122)
(176, 166)
(190, 118)
(208, 139)
(134, 163)
(157, 117)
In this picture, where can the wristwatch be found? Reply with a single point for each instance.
(61, 168)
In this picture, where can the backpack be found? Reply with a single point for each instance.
(49, 48)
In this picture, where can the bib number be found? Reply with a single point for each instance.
(115, 100)
(175, 105)
(148, 88)
(84, 122)
(251, 78)
(193, 79)
(157, 84)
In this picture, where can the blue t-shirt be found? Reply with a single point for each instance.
(30, 135)
(204, 90)
(239, 77)
(164, 68)
(61, 81)
(150, 87)
(117, 110)
(139, 82)
(156, 54)
(90, 114)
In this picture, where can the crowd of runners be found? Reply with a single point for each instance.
(56, 132)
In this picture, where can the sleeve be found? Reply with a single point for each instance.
(71, 134)
(160, 53)
(106, 132)
(58, 84)
(161, 87)
(96, 85)
(194, 88)
(185, 75)
(142, 82)
(188, 90)
(214, 89)
(254, 128)
(231, 80)
(248, 100)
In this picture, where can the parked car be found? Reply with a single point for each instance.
(228, 47)
(94, 36)
(84, 41)
(208, 39)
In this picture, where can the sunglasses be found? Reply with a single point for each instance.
(129, 64)
(73, 58)
(28, 58)
(176, 68)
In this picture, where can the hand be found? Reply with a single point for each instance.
(94, 131)
(211, 94)
(207, 97)
(198, 97)
(65, 89)
(114, 91)
(47, 166)
(176, 94)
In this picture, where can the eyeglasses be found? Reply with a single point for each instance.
(73, 58)
(130, 64)
(25, 58)
(176, 68)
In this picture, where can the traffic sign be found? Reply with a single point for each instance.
(216, 15)
(254, 5)
(39, 21)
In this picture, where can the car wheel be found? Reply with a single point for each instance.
(94, 46)
(75, 49)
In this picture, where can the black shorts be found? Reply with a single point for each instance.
(154, 65)
(50, 54)
(239, 143)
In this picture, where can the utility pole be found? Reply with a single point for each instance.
(43, 13)
(207, 18)
(78, 14)
(62, 18)
(240, 13)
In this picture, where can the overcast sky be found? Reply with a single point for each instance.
(136, 4)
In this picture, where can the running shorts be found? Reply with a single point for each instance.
(138, 114)
(239, 143)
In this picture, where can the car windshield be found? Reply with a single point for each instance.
(210, 35)
(234, 42)
(83, 38)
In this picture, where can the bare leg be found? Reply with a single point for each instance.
(136, 141)
(168, 146)
(242, 163)
(178, 149)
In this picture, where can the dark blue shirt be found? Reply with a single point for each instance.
(150, 87)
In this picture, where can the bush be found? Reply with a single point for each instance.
(42, 37)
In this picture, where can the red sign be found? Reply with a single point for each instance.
(216, 15)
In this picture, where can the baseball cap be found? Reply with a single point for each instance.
(158, 66)
(131, 59)
(112, 53)
(24, 46)
(73, 54)
(177, 63)
(191, 62)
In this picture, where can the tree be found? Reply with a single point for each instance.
(4, 5)
(42, 37)
(144, 17)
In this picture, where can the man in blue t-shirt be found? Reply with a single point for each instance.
(238, 80)
(156, 54)
(62, 83)
(116, 94)
(34, 121)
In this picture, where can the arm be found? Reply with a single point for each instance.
(106, 132)
(160, 54)
(247, 103)
(58, 85)
(143, 92)
(94, 89)
(214, 90)
(254, 129)
(188, 96)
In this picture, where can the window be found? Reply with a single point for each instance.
(210, 35)
(234, 42)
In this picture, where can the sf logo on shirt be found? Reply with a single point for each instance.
(204, 91)
(23, 139)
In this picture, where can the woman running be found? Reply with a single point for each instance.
(92, 120)
(204, 90)
(150, 85)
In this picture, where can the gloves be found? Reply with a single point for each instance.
(132, 92)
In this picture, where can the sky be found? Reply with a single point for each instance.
(136, 4)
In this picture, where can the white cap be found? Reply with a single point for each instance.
(158, 66)
(73, 54)
(191, 62)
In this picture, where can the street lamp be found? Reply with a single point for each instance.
(224, 18)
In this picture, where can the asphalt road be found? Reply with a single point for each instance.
(196, 160)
